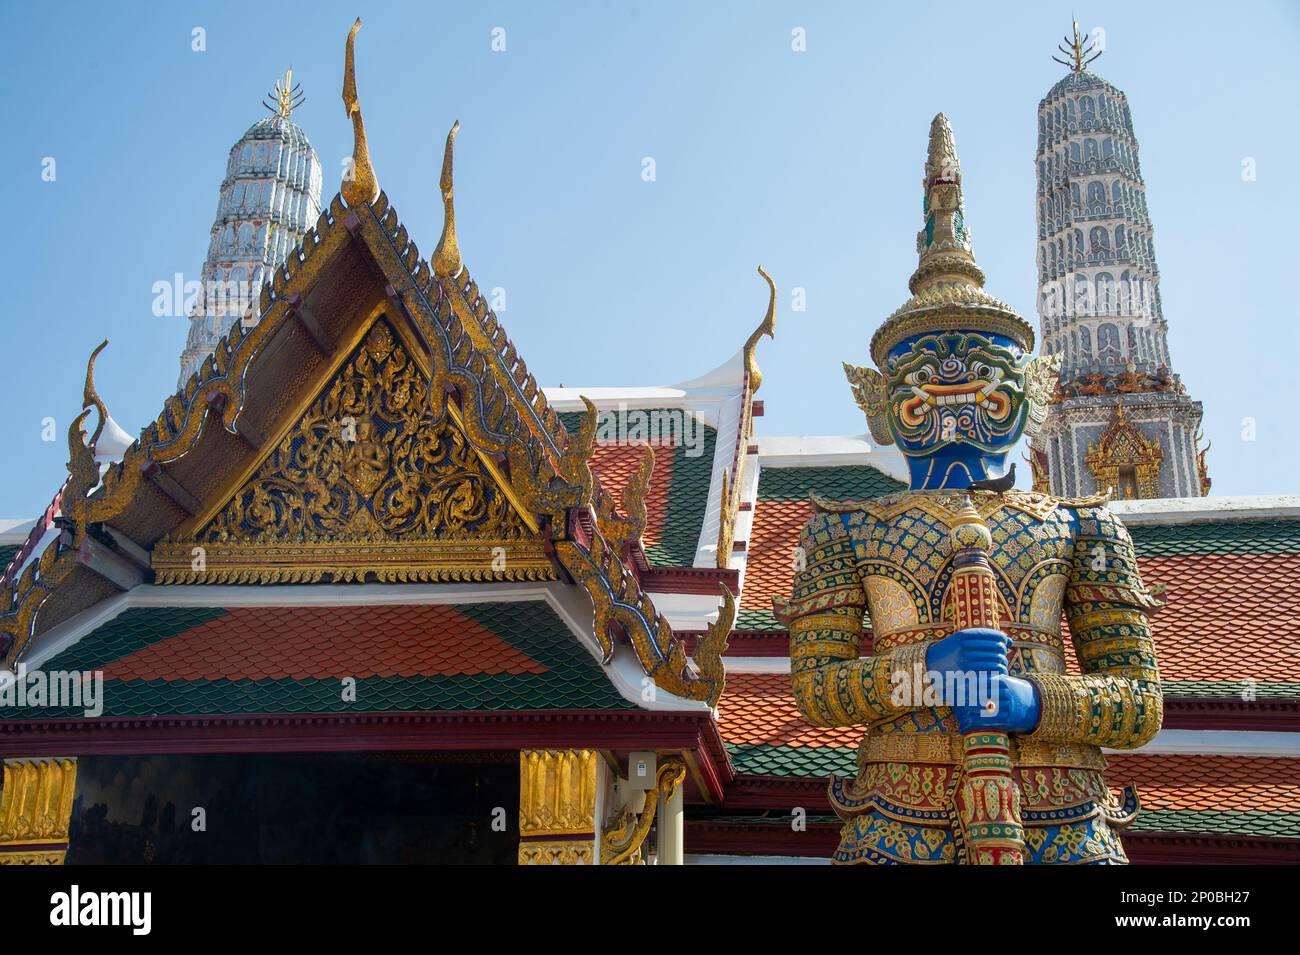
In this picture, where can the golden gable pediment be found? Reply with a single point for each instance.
(363, 486)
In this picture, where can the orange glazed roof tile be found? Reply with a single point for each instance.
(769, 564)
(615, 464)
(1228, 617)
(1261, 783)
(301, 643)
(160, 661)
(758, 709)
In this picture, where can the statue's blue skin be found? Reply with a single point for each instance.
(956, 463)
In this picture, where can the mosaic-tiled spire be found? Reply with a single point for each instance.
(269, 198)
(1099, 295)
(944, 244)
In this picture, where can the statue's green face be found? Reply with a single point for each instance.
(956, 392)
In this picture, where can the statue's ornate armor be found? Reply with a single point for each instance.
(890, 559)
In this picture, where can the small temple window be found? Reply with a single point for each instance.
(1128, 482)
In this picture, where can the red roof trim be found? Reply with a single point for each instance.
(1144, 848)
(437, 731)
(778, 792)
(690, 580)
(1259, 716)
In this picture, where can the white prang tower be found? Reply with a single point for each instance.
(1123, 420)
(269, 198)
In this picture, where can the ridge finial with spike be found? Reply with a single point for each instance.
(446, 257)
(360, 186)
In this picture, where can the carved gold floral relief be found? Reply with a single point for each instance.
(364, 466)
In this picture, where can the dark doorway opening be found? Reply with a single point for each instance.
(326, 808)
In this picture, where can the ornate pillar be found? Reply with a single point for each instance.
(557, 806)
(35, 810)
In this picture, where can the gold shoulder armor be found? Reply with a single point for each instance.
(1092, 500)
(874, 506)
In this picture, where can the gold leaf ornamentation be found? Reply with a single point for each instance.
(360, 184)
(364, 486)
(622, 843)
(1041, 375)
(871, 394)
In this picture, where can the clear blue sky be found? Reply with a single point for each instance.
(808, 163)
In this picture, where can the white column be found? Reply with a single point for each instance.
(672, 828)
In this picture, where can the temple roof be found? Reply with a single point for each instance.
(181, 660)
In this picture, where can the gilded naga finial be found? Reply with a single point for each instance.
(90, 396)
(446, 257)
(766, 327)
(1079, 51)
(83, 472)
(285, 97)
(359, 182)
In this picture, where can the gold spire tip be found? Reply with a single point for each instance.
(1079, 48)
(285, 97)
(766, 327)
(446, 257)
(359, 182)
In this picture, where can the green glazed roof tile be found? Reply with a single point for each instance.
(756, 759)
(852, 482)
(1240, 822)
(1220, 537)
(1229, 690)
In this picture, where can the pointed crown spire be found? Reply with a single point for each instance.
(285, 97)
(1079, 51)
(947, 286)
(943, 244)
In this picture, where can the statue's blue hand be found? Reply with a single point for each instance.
(969, 651)
(1018, 709)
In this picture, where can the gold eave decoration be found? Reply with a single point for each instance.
(429, 561)
(360, 185)
(38, 580)
(622, 842)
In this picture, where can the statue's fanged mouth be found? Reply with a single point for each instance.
(975, 392)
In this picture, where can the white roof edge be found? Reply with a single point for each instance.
(570, 399)
(714, 386)
(15, 531)
(811, 451)
(1189, 510)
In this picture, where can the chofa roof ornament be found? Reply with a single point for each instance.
(359, 182)
(446, 257)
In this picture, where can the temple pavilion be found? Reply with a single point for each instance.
(367, 591)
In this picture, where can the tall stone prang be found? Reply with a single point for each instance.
(1123, 419)
(269, 198)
